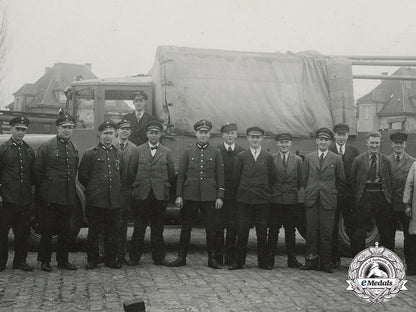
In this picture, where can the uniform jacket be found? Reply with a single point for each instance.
(399, 172)
(99, 173)
(200, 174)
(228, 158)
(16, 172)
(138, 128)
(350, 153)
(151, 173)
(125, 155)
(253, 179)
(55, 169)
(409, 196)
(359, 175)
(325, 181)
(288, 180)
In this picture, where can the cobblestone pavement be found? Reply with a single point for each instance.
(192, 288)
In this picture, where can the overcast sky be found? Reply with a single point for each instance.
(120, 37)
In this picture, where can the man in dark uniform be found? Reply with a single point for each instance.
(345, 199)
(125, 149)
(285, 209)
(323, 177)
(55, 168)
(401, 162)
(371, 181)
(253, 177)
(200, 186)
(16, 179)
(229, 150)
(152, 172)
(139, 118)
(99, 173)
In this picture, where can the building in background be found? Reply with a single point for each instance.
(390, 106)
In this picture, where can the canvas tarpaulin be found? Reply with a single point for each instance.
(280, 92)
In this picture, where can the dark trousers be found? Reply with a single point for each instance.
(123, 225)
(147, 211)
(54, 219)
(225, 248)
(409, 240)
(319, 228)
(18, 218)
(246, 214)
(289, 216)
(373, 205)
(108, 221)
(210, 218)
(345, 207)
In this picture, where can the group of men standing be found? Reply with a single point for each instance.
(233, 188)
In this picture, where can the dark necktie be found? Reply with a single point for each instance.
(372, 175)
(229, 150)
(154, 147)
(321, 160)
(284, 161)
(398, 158)
(122, 146)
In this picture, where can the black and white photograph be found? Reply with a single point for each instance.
(196, 155)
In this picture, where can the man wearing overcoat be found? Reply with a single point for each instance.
(200, 186)
(16, 179)
(55, 168)
(99, 173)
(125, 149)
(371, 182)
(229, 151)
(401, 162)
(152, 172)
(323, 178)
(285, 209)
(345, 200)
(253, 177)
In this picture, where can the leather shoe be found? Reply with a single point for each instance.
(180, 261)
(113, 265)
(212, 263)
(91, 265)
(411, 272)
(45, 266)
(23, 266)
(235, 266)
(67, 266)
(266, 267)
(327, 269)
(133, 261)
(163, 262)
(292, 262)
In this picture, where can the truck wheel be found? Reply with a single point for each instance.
(34, 236)
(344, 241)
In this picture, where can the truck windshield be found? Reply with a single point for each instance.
(117, 104)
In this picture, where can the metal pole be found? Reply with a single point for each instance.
(377, 58)
(384, 63)
(384, 77)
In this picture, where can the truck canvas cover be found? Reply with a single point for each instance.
(291, 92)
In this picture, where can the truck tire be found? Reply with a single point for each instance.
(344, 241)
(34, 236)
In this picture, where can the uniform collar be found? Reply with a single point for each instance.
(62, 140)
(202, 146)
(106, 148)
